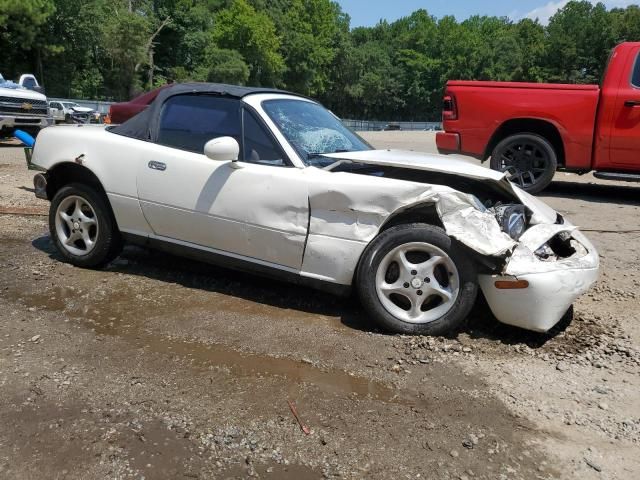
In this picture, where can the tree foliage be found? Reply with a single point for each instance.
(112, 49)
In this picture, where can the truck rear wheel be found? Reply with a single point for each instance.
(529, 161)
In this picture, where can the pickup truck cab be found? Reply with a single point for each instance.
(530, 130)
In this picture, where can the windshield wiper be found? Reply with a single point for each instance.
(311, 155)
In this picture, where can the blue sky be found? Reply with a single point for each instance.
(368, 12)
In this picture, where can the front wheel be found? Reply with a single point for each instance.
(529, 161)
(414, 279)
(82, 226)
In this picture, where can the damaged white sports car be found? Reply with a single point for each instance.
(273, 183)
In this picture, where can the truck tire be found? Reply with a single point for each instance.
(413, 279)
(529, 160)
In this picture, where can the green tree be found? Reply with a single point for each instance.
(22, 24)
(240, 27)
(308, 44)
(579, 39)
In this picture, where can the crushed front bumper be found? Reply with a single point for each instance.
(552, 286)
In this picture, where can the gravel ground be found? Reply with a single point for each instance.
(157, 367)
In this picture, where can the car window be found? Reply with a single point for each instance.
(258, 146)
(188, 122)
(635, 78)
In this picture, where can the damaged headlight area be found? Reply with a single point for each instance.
(559, 247)
(512, 218)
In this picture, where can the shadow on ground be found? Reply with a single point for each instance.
(595, 192)
(195, 275)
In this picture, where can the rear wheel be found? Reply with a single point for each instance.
(529, 161)
(82, 226)
(413, 279)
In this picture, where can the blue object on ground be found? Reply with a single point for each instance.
(25, 138)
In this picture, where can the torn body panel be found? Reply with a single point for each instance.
(355, 207)
(346, 216)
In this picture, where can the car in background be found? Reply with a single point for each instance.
(392, 127)
(71, 112)
(123, 111)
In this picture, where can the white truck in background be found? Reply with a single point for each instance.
(22, 108)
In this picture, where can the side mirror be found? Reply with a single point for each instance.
(222, 148)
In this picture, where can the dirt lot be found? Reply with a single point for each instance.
(157, 367)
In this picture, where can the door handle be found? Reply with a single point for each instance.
(632, 103)
(153, 165)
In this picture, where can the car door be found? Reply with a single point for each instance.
(56, 111)
(256, 208)
(625, 131)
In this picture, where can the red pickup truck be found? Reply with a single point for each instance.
(530, 130)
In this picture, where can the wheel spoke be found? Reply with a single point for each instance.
(439, 290)
(87, 239)
(390, 288)
(67, 219)
(86, 220)
(71, 239)
(77, 209)
(426, 268)
(416, 304)
(403, 263)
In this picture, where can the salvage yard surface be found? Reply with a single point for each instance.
(158, 367)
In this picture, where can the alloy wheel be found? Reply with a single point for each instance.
(417, 282)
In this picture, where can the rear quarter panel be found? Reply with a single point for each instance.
(484, 106)
(114, 159)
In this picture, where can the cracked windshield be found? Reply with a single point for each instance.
(313, 131)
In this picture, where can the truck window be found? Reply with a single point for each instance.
(188, 122)
(29, 83)
(635, 78)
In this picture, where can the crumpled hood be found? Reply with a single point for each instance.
(82, 109)
(542, 213)
(419, 161)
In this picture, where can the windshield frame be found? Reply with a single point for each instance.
(307, 157)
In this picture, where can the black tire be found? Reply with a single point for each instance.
(67, 118)
(108, 243)
(400, 235)
(529, 159)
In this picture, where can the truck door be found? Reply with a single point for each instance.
(625, 131)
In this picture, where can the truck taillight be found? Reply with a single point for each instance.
(449, 108)
(107, 119)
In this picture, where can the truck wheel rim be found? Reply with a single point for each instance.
(417, 282)
(76, 225)
(524, 163)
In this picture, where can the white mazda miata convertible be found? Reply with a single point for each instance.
(273, 183)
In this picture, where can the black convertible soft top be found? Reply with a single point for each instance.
(144, 125)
